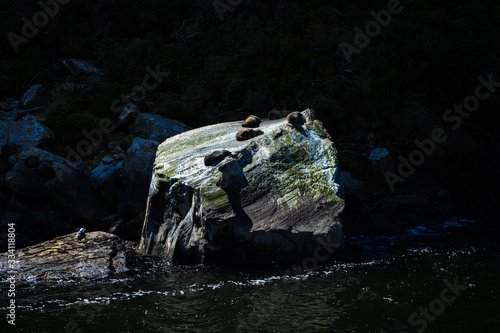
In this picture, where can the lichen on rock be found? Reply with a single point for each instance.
(271, 199)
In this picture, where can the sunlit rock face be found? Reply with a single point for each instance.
(276, 197)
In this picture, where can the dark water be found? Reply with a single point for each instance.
(377, 294)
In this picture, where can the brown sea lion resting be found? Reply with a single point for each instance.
(296, 118)
(248, 134)
(252, 121)
(277, 114)
(216, 156)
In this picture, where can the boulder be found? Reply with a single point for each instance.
(45, 164)
(27, 132)
(156, 127)
(106, 173)
(69, 187)
(277, 197)
(98, 255)
(31, 193)
(137, 170)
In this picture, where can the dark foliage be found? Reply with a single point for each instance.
(273, 54)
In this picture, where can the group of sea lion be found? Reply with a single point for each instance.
(292, 117)
(251, 121)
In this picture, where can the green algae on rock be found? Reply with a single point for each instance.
(275, 198)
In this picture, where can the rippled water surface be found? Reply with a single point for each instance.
(395, 277)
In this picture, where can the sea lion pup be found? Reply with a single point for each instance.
(248, 134)
(296, 118)
(252, 121)
(277, 114)
(215, 157)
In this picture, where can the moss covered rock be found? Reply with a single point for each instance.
(275, 198)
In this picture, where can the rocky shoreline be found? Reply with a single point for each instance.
(45, 195)
(48, 195)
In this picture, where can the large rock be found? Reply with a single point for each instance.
(45, 164)
(278, 196)
(156, 127)
(27, 132)
(49, 197)
(137, 170)
(69, 188)
(98, 255)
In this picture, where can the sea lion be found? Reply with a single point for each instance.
(248, 134)
(216, 156)
(252, 121)
(277, 114)
(296, 118)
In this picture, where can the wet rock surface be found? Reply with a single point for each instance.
(98, 255)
